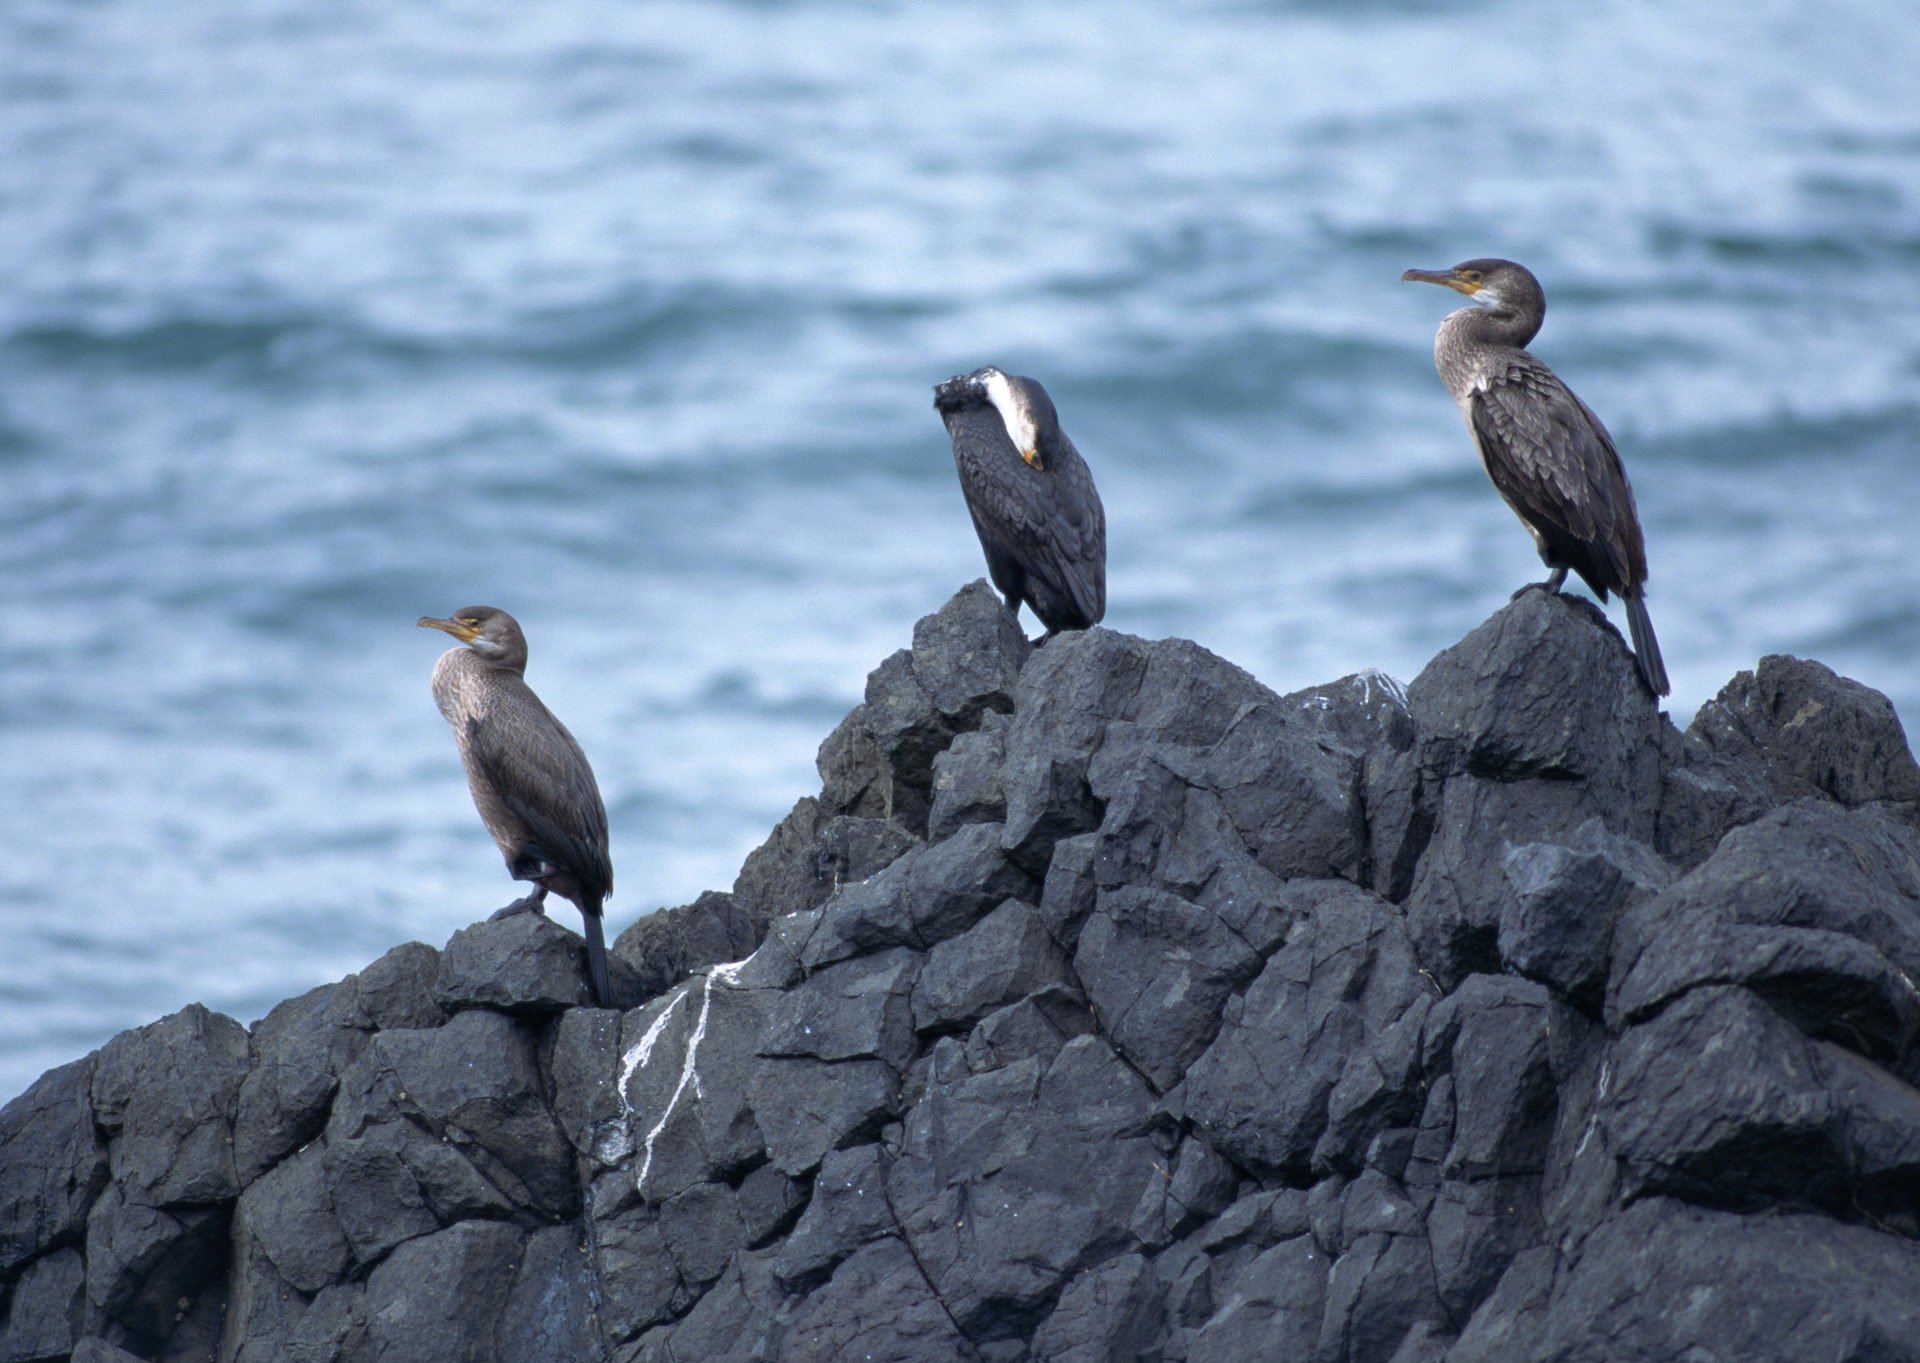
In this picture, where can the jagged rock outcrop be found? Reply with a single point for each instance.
(1103, 1005)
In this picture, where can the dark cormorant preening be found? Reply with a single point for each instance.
(530, 781)
(1031, 497)
(1545, 450)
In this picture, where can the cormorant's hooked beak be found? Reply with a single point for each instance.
(1449, 278)
(466, 634)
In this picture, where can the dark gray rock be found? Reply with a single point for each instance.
(808, 857)
(861, 1007)
(1109, 1312)
(663, 948)
(1379, 1292)
(854, 777)
(1491, 1037)
(780, 876)
(1069, 887)
(375, 1194)
(1813, 732)
(441, 1297)
(1361, 713)
(1815, 908)
(299, 1050)
(1293, 798)
(526, 964)
(769, 1202)
(965, 661)
(289, 1215)
(810, 1107)
(96, 1350)
(333, 1329)
(966, 779)
(1460, 888)
(53, 1163)
(689, 1066)
(43, 1312)
(1531, 725)
(639, 1282)
(1557, 916)
(396, 990)
(729, 1324)
(1157, 970)
(1068, 693)
(1035, 1028)
(582, 1065)
(1102, 1005)
(849, 1209)
(927, 896)
(1000, 960)
(165, 1095)
(548, 1316)
(1544, 690)
(1324, 1044)
(263, 1310)
(1271, 1308)
(1667, 1281)
(702, 1229)
(146, 1266)
(1200, 1184)
(472, 1090)
(1476, 1229)
(1008, 1182)
(1721, 1101)
(878, 1305)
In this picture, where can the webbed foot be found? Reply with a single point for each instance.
(533, 903)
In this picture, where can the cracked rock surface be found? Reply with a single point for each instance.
(1102, 1005)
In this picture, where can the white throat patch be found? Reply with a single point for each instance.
(1013, 412)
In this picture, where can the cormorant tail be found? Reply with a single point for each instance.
(1646, 648)
(597, 958)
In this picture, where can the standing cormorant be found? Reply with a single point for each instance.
(530, 781)
(1545, 450)
(1031, 497)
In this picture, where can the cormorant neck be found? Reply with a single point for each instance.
(509, 659)
(1509, 323)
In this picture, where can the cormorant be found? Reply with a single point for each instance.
(1031, 497)
(1545, 450)
(530, 781)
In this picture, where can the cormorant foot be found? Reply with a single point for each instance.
(1551, 585)
(533, 903)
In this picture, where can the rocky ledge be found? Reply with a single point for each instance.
(1104, 1005)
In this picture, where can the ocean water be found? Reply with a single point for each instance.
(316, 318)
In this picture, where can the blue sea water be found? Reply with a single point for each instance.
(318, 317)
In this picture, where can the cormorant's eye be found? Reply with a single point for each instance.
(1471, 276)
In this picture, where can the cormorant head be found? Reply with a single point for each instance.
(1024, 407)
(487, 630)
(1496, 285)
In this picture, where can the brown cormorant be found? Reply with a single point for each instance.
(1030, 496)
(530, 781)
(1545, 450)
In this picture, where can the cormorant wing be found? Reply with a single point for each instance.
(1554, 462)
(1051, 522)
(541, 774)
